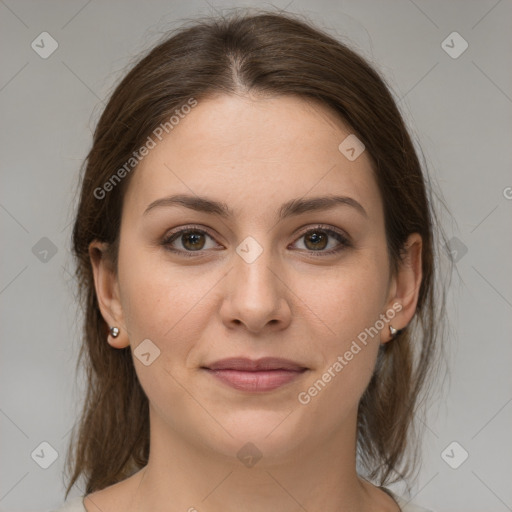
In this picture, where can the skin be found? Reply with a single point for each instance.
(254, 154)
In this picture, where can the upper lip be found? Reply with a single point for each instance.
(254, 365)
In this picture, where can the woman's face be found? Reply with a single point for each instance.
(279, 274)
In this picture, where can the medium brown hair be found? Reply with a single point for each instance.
(270, 54)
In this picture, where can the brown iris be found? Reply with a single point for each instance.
(318, 239)
(193, 240)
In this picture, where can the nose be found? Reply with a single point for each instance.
(256, 295)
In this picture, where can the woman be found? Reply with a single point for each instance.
(255, 252)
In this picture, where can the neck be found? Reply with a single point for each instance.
(182, 474)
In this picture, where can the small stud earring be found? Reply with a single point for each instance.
(114, 332)
(393, 331)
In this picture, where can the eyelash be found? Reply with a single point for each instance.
(171, 237)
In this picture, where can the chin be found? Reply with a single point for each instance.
(269, 435)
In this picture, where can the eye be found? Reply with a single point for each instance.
(317, 239)
(190, 239)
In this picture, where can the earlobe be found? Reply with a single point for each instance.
(406, 286)
(107, 292)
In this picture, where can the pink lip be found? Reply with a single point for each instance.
(263, 374)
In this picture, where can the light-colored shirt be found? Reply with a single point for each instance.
(77, 505)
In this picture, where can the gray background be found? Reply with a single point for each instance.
(459, 108)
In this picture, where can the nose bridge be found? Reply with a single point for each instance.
(256, 295)
(253, 267)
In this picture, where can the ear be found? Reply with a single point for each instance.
(107, 292)
(405, 286)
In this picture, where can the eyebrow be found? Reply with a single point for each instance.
(288, 209)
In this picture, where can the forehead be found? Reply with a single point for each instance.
(255, 152)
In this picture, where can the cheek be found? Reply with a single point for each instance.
(346, 308)
(164, 303)
(155, 293)
(343, 302)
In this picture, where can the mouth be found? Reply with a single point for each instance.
(259, 375)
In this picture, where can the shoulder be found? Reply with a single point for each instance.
(77, 505)
(407, 506)
(73, 505)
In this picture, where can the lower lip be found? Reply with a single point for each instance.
(256, 381)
